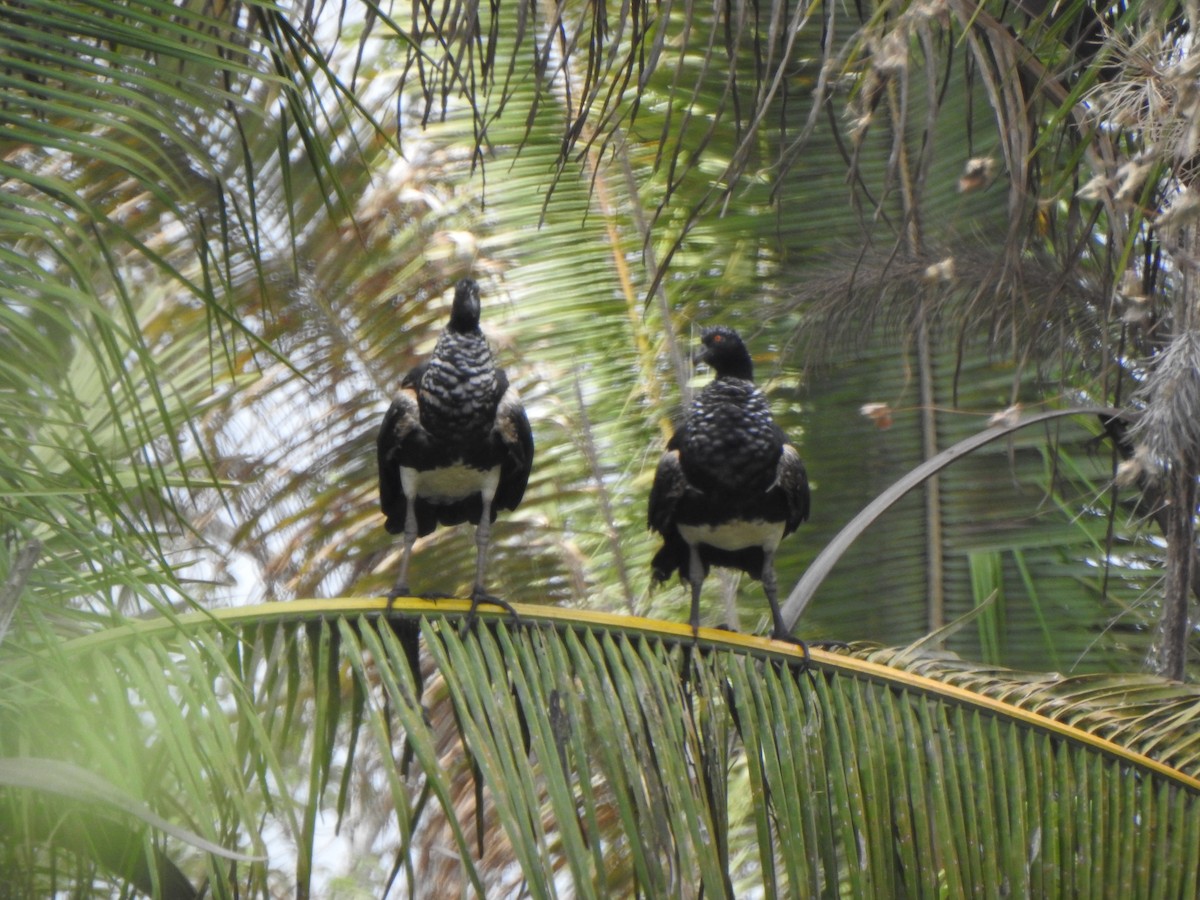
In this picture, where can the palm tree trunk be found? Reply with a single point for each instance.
(934, 562)
(1169, 655)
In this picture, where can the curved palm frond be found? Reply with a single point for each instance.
(617, 754)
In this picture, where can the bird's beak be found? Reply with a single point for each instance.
(700, 357)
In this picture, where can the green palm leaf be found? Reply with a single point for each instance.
(618, 755)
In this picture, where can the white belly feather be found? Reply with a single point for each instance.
(735, 535)
(450, 483)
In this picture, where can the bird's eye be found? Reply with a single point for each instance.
(717, 338)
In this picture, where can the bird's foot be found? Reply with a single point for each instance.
(787, 638)
(400, 590)
(480, 596)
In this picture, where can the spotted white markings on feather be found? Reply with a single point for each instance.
(449, 484)
(737, 534)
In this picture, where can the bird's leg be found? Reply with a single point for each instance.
(400, 589)
(779, 631)
(483, 537)
(695, 579)
(479, 594)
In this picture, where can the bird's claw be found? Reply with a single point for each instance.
(798, 642)
(400, 590)
(478, 597)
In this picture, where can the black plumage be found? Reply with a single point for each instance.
(455, 445)
(730, 485)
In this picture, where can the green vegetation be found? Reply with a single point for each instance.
(227, 230)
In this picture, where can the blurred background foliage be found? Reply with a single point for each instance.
(300, 202)
(228, 229)
(717, 194)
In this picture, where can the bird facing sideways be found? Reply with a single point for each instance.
(730, 485)
(455, 445)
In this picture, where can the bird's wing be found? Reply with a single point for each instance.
(669, 486)
(399, 423)
(791, 478)
(412, 380)
(512, 426)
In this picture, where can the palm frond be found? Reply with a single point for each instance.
(620, 754)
